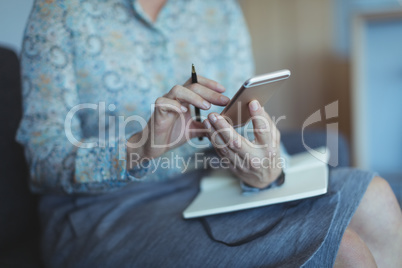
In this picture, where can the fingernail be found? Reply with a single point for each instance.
(207, 124)
(184, 109)
(224, 99)
(206, 104)
(221, 87)
(224, 150)
(213, 118)
(254, 105)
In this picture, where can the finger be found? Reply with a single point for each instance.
(262, 123)
(236, 163)
(229, 136)
(209, 94)
(220, 146)
(275, 133)
(184, 94)
(210, 84)
(276, 136)
(216, 140)
(164, 105)
(207, 83)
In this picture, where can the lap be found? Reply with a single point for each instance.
(142, 226)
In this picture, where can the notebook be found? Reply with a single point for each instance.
(220, 192)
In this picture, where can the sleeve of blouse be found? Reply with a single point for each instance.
(59, 157)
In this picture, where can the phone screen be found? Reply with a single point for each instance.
(260, 88)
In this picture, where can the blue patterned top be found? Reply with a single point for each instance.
(89, 64)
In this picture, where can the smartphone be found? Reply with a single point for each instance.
(259, 88)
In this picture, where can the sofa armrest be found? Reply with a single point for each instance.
(293, 143)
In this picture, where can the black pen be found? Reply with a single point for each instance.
(197, 110)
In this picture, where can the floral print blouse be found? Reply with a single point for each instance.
(89, 65)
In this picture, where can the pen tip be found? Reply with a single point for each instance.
(193, 68)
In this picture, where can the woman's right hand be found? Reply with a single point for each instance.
(171, 124)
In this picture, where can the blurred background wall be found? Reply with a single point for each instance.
(299, 35)
(13, 17)
(316, 40)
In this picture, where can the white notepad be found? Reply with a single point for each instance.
(220, 192)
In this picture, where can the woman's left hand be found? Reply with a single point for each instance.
(256, 163)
